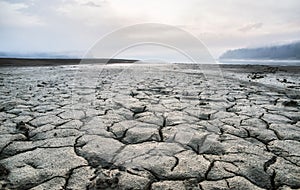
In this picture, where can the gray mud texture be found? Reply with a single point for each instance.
(149, 127)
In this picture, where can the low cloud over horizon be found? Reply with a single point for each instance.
(77, 25)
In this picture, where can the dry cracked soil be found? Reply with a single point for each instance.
(149, 127)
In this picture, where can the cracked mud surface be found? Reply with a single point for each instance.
(148, 127)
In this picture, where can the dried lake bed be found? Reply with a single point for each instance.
(150, 126)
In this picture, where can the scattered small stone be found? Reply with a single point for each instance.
(256, 76)
(24, 128)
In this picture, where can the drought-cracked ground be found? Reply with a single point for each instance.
(149, 127)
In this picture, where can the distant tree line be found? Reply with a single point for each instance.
(288, 51)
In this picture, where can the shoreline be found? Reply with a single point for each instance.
(28, 62)
(18, 62)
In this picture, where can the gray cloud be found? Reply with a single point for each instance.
(75, 25)
(92, 4)
(251, 26)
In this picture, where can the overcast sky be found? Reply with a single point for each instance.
(74, 26)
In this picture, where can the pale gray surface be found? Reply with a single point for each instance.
(147, 127)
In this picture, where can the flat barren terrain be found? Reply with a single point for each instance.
(149, 126)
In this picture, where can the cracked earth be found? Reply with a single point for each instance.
(148, 127)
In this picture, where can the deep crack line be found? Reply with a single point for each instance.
(269, 163)
(45, 181)
(69, 175)
(268, 127)
(272, 179)
(161, 134)
(75, 147)
(160, 129)
(176, 163)
(209, 169)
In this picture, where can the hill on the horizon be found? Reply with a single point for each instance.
(279, 52)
